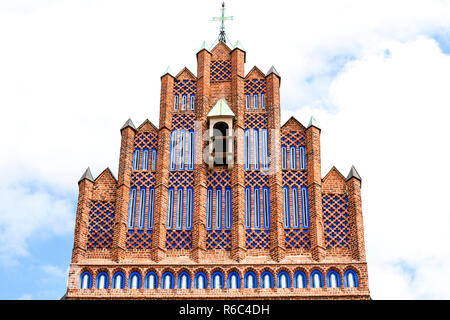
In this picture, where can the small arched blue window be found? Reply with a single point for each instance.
(256, 206)
(118, 281)
(184, 102)
(333, 279)
(179, 213)
(300, 280)
(167, 280)
(316, 279)
(200, 281)
(233, 281)
(181, 149)
(134, 281)
(228, 208)
(102, 281)
(176, 101)
(132, 208)
(141, 214)
(170, 208)
(266, 280)
(302, 158)
(218, 209)
(350, 279)
(283, 157)
(255, 101)
(145, 160)
(247, 157)
(192, 102)
(173, 150)
(136, 159)
(283, 280)
(184, 280)
(217, 280)
(250, 280)
(286, 219)
(255, 149)
(263, 101)
(305, 207)
(189, 207)
(248, 208)
(266, 207)
(293, 158)
(295, 208)
(247, 101)
(190, 150)
(86, 280)
(151, 208)
(154, 157)
(151, 280)
(209, 208)
(264, 150)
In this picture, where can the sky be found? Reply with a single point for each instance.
(374, 74)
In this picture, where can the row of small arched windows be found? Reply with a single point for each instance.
(142, 163)
(184, 102)
(218, 281)
(254, 102)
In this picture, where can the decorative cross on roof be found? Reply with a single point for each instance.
(222, 20)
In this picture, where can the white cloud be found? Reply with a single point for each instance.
(73, 72)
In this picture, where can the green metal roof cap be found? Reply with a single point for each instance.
(313, 122)
(239, 45)
(221, 109)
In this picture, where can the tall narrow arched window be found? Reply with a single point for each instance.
(247, 150)
(167, 281)
(209, 208)
(154, 157)
(217, 280)
(145, 160)
(189, 207)
(151, 208)
(248, 208)
(255, 149)
(283, 157)
(173, 150)
(350, 279)
(132, 208)
(136, 159)
(134, 282)
(184, 281)
(286, 207)
(316, 279)
(200, 281)
(263, 101)
(190, 150)
(250, 280)
(305, 207)
(266, 280)
(151, 280)
(295, 207)
(302, 158)
(234, 280)
(170, 201)
(102, 281)
(256, 206)
(184, 102)
(118, 281)
(283, 280)
(333, 279)
(142, 195)
(179, 212)
(255, 101)
(218, 208)
(299, 280)
(264, 150)
(181, 149)
(228, 208)
(192, 102)
(266, 207)
(247, 101)
(293, 158)
(85, 280)
(176, 102)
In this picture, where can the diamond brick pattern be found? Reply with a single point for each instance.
(218, 239)
(297, 238)
(255, 121)
(146, 140)
(294, 178)
(220, 70)
(255, 178)
(183, 121)
(335, 220)
(178, 239)
(255, 86)
(257, 239)
(219, 179)
(101, 219)
(181, 179)
(187, 87)
(139, 239)
(292, 138)
(142, 179)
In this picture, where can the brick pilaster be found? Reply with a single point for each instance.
(356, 219)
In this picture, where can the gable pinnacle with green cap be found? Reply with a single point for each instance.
(221, 109)
(239, 45)
(313, 122)
(203, 47)
(168, 71)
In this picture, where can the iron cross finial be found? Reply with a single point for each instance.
(222, 20)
